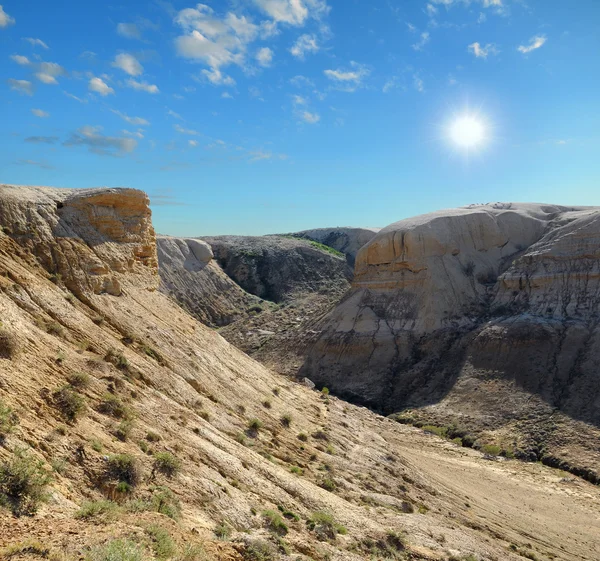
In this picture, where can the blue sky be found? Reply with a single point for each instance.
(263, 116)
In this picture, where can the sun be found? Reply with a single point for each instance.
(468, 131)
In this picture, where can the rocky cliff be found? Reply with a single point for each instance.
(191, 276)
(276, 268)
(485, 315)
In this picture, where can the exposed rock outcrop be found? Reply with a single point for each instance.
(487, 313)
(189, 274)
(276, 267)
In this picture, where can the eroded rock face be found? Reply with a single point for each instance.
(190, 275)
(276, 267)
(444, 303)
(90, 238)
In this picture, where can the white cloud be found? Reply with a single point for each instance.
(99, 86)
(302, 81)
(40, 113)
(138, 121)
(534, 43)
(75, 97)
(264, 56)
(99, 144)
(304, 45)
(311, 118)
(36, 42)
(418, 83)
(139, 133)
(181, 130)
(226, 95)
(172, 113)
(193, 143)
(42, 165)
(143, 86)
(49, 71)
(411, 27)
(215, 41)
(218, 78)
(20, 59)
(299, 100)
(5, 19)
(418, 46)
(129, 31)
(431, 10)
(348, 80)
(128, 63)
(21, 86)
(293, 12)
(390, 85)
(481, 51)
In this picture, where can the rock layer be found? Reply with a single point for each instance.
(445, 303)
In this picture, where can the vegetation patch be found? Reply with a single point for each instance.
(8, 421)
(23, 482)
(116, 550)
(104, 509)
(275, 522)
(113, 406)
(162, 544)
(167, 464)
(324, 526)
(70, 403)
(125, 468)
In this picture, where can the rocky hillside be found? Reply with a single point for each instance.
(130, 431)
(485, 317)
(190, 275)
(345, 240)
(276, 268)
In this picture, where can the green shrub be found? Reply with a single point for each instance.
(9, 344)
(97, 509)
(123, 431)
(167, 464)
(288, 513)
(153, 436)
(297, 470)
(55, 328)
(326, 248)
(79, 380)
(254, 425)
(162, 542)
(267, 404)
(70, 404)
(286, 419)
(193, 552)
(325, 391)
(328, 484)
(491, 449)
(324, 525)
(113, 406)
(302, 436)
(123, 467)
(8, 421)
(439, 431)
(25, 548)
(163, 500)
(117, 358)
(222, 531)
(275, 522)
(116, 550)
(259, 550)
(23, 482)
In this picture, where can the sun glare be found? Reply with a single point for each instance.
(467, 131)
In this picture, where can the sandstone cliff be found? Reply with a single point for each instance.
(486, 314)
